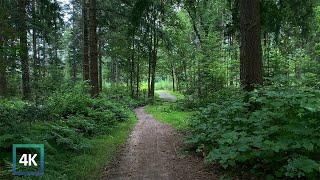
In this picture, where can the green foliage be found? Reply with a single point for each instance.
(163, 85)
(168, 113)
(120, 95)
(67, 138)
(87, 127)
(70, 115)
(273, 130)
(191, 102)
(67, 122)
(70, 102)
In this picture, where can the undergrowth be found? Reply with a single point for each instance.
(273, 131)
(68, 123)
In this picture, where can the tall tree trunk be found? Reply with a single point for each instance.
(74, 66)
(132, 69)
(113, 70)
(24, 50)
(117, 72)
(100, 67)
(138, 73)
(3, 76)
(150, 37)
(173, 78)
(3, 64)
(153, 72)
(149, 68)
(34, 43)
(154, 65)
(93, 43)
(154, 51)
(3, 67)
(250, 51)
(43, 65)
(85, 63)
(36, 60)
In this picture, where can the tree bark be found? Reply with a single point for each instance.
(100, 67)
(149, 62)
(74, 67)
(3, 64)
(93, 44)
(85, 63)
(3, 67)
(154, 51)
(36, 60)
(173, 78)
(24, 50)
(138, 73)
(250, 50)
(132, 69)
(153, 72)
(154, 65)
(149, 72)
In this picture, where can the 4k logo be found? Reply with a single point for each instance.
(28, 162)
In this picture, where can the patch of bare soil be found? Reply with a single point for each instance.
(153, 151)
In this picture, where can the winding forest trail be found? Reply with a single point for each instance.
(153, 152)
(167, 97)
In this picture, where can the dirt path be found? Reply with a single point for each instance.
(166, 96)
(153, 152)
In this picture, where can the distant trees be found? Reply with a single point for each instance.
(154, 26)
(202, 46)
(145, 31)
(28, 27)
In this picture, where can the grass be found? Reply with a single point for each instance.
(62, 164)
(167, 113)
(90, 165)
(164, 84)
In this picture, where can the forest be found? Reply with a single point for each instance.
(233, 85)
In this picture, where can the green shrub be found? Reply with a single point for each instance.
(275, 131)
(64, 121)
(12, 115)
(65, 104)
(67, 138)
(192, 102)
(84, 126)
(120, 95)
(118, 110)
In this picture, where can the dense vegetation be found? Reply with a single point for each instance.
(249, 71)
(71, 125)
(273, 131)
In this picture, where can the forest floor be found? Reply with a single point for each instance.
(154, 151)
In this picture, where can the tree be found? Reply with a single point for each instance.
(86, 63)
(24, 49)
(3, 63)
(3, 74)
(250, 50)
(93, 45)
